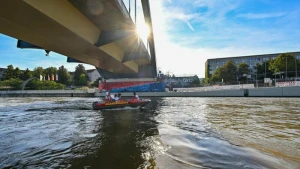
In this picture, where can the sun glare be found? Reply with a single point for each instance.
(142, 30)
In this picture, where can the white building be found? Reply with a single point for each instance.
(213, 64)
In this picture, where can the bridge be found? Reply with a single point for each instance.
(97, 32)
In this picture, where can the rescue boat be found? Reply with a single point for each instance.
(120, 104)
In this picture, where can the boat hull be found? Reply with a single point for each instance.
(120, 104)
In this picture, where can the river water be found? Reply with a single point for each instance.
(168, 133)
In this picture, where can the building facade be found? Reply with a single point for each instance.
(213, 64)
(93, 75)
(2, 72)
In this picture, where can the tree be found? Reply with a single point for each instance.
(9, 73)
(50, 71)
(96, 82)
(205, 82)
(82, 80)
(37, 72)
(12, 82)
(63, 75)
(226, 72)
(229, 71)
(79, 71)
(263, 70)
(243, 68)
(217, 75)
(207, 71)
(17, 73)
(26, 74)
(284, 62)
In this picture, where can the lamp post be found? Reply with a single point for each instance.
(265, 73)
(285, 68)
(256, 77)
(296, 68)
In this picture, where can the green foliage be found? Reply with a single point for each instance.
(264, 70)
(217, 75)
(17, 73)
(283, 62)
(207, 71)
(9, 73)
(80, 77)
(26, 74)
(82, 80)
(205, 81)
(96, 82)
(50, 71)
(63, 75)
(14, 83)
(243, 68)
(37, 72)
(230, 71)
(46, 85)
(227, 72)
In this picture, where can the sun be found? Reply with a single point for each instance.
(142, 30)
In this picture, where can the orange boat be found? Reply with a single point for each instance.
(120, 104)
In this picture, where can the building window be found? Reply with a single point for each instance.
(258, 59)
(223, 62)
(273, 58)
(298, 57)
(265, 59)
(217, 62)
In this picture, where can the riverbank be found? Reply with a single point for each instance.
(254, 92)
(48, 93)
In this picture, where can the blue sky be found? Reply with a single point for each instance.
(187, 32)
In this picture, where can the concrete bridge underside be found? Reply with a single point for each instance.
(97, 32)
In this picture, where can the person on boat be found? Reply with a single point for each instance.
(135, 97)
(111, 97)
(116, 98)
(107, 95)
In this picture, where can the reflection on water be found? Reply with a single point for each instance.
(170, 133)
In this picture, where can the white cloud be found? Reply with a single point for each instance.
(190, 26)
(261, 16)
(185, 52)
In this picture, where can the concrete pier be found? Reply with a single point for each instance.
(255, 92)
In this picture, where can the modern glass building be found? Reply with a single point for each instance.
(212, 64)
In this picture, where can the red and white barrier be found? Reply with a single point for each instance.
(285, 84)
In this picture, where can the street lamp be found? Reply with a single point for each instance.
(285, 68)
(256, 76)
(296, 68)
